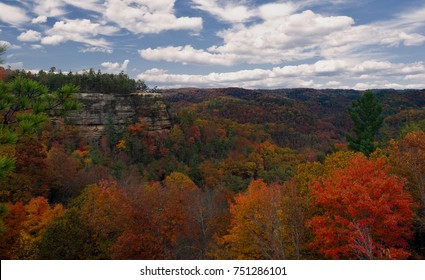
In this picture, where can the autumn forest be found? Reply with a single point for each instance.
(239, 174)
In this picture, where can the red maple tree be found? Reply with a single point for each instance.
(364, 212)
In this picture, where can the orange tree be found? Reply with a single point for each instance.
(259, 225)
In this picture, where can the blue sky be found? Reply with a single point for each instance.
(216, 43)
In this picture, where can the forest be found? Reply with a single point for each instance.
(241, 174)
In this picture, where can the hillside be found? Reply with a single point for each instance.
(298, 118)
(206, 173)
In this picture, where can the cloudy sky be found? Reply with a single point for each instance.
(219, 43)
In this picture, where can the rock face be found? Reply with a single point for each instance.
(102, 110)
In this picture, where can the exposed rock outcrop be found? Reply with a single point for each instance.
(100, 110)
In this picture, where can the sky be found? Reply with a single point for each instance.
(358, 44)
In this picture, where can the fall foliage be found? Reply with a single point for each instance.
(241, 174)
(364, 212)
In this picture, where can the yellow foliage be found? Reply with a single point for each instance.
(121, 144)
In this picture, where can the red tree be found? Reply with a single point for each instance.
(365, 213)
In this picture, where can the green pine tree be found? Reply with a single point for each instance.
(3, 48)
(25, 106)
(3, 212)
(366, 114)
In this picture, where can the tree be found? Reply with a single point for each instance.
(407, 156)
(364, 212)
(2, 51)
(164, 222)
(259, 225)
(3, 212)
(90, 226)
(366, 114)
(408, 159)
(25, 106)
(24, 227)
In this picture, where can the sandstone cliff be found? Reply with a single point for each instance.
(100, 110)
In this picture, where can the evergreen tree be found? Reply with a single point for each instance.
(25, 106)
(366, 114)
(3, 212)
(2, 51)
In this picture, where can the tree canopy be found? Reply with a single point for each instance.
(25, 106)
(366, 114)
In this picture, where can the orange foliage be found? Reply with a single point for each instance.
(25, 225)
(105, 209)
(258, 224)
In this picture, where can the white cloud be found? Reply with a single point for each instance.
(90, 5)
(36, 46)
(419, 77)
(137, 16)
(322, 74)
(230, 11)
(12, 15)
(14, 65)
(149, 16)
(29, 36)
(275, 40)
(275, 10)
(115, 67)
(49, 8)
(286, 33)
(54, 40)
(78, 30)
(384, 84)
(96, 49)
(333, 84)
(39, 19)
(186, 54)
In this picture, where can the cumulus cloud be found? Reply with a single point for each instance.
(284, 32)
(39, 19)
(149, 16)
(321, 74)
(137, 16)
(277, 39)
(115, 67)
(49, 8)
(186, 54)
(230, 11)
(79, 30)
(13, 15)
(29, 36)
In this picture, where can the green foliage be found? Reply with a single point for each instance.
(2, 51)
(7, 136)
(25, 106)
(366, 114)
(411, 127)
(67, 238)
(7, 164)
(3, 212)
(90, 81)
